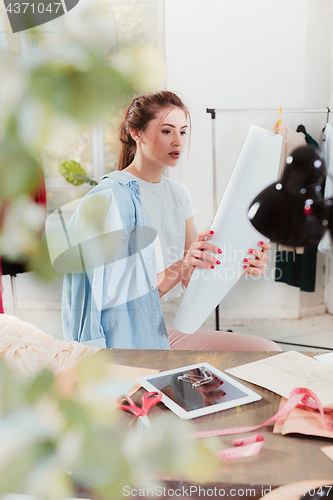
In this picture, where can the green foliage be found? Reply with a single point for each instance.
(83, 91)
(56, 446)
(39, 262)
(19, 169)
(39, 386)
(78, 79)
(75, 174)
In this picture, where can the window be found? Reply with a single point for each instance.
(132, 23)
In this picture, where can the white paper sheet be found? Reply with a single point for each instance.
(257, 167)
(286, 371)
(326, 358)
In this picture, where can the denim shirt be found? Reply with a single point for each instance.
(116, 305)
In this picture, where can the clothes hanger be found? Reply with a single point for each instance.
(280, 121)
(327, 118)
(301, 127)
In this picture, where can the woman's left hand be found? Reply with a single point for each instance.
(256, 263)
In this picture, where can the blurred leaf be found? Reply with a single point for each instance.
(74, 413)
(19, 170)
(102, 466)
(22, 224)
(143, 65)
(94, 368)
(11, 390)
(75, 174)
(13, 475)
(42, 383)
(167, 450)
(85, 178)
(70, 170)
(39, 262)
(84, 94)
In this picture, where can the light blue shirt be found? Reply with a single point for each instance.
(116, 305)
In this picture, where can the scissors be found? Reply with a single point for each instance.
(148, 400)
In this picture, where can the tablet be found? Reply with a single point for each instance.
(197, 390)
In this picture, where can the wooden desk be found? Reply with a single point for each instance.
(283, 459)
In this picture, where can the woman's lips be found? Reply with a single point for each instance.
(174, 155)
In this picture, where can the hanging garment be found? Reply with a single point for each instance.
(326, 147)
(293, 267)
(311, 141)
(297, 269)
(291, 141)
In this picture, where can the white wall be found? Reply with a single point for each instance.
(241, 54)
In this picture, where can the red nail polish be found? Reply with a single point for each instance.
(250, 251)
(245, 260)
(221, 382)
(219, 250)
(211, 232)
(212, 267)
(217, 262)
(261, 242)
(245, 267)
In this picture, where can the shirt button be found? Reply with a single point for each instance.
(151, 261)
(158, 314)
(152, 287)
(164, 336)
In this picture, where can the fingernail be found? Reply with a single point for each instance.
(221, 382)
(217, 262)
(211, 232)
(261, 242)
(219, 250)
(212, 267)
(245, 260)
(250, 251)
(245, 267)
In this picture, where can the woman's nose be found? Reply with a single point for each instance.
(176, 140)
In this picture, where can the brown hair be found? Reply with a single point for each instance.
(138, 114)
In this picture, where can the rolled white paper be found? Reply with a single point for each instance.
(257, 167)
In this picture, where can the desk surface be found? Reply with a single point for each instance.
(283, 459)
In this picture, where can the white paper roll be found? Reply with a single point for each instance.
(257, 167)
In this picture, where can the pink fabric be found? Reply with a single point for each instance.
(1, 302)
(26, 349)
(212, 340)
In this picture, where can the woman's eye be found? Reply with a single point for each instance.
(183, 132)
(166, 131)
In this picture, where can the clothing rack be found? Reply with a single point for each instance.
(213, 112)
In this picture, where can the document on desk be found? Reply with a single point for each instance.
(302, 421)
(328, 450)
(286, 371)
(326, 358)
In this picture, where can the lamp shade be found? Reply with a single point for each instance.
(292, 211)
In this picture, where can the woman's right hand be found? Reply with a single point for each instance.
(197, 255)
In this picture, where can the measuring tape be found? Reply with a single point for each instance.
(246, 447)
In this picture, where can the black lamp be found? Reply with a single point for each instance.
(293, 211)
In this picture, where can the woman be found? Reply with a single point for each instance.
(118, 305)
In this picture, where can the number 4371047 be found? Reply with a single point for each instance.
(17, 8)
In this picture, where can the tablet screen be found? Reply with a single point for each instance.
(200, 389)
(181, 388)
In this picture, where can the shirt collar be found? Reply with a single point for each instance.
(119, 176)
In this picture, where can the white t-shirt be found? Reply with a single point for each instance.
(167, 205)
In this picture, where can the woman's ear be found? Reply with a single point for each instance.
(135, 134)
